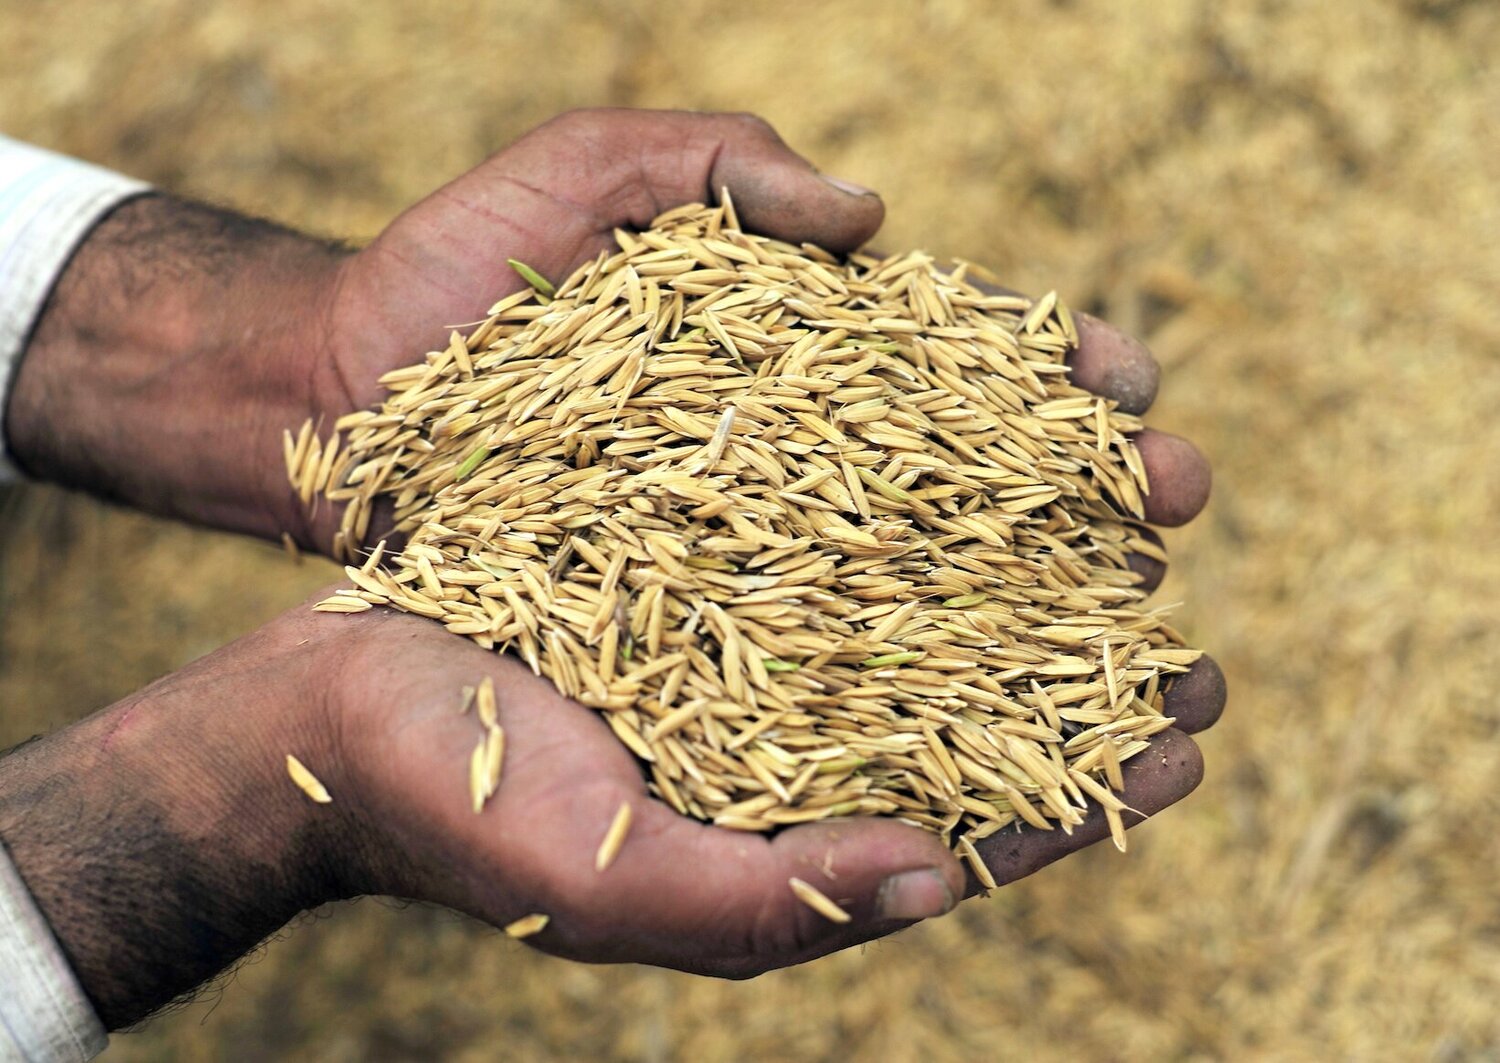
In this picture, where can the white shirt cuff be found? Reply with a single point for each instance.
(44, 1015)
(48, 204)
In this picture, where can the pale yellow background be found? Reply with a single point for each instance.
(1297, 205)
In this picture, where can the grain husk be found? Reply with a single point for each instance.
(817, 538)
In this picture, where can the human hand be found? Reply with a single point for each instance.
(681, 893)
(181, 341)
(551, 200)
(163, 839)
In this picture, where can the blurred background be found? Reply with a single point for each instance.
(1296, 205)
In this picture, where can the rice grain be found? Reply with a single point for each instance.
(818, 538)
(306, 781)
(528, 925)
(818, 901)
(614, 839)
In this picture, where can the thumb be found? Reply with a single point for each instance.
(598, 169)
(554, 198)
(715, 901)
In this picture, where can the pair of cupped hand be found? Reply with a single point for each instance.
(369, 702)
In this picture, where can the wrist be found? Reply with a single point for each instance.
(172, 352)
(162, 838)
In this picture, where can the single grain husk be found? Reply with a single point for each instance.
(816, 537)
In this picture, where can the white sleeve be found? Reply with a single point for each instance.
(44, 1015)
(48, 203)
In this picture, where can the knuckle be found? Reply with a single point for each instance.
(752, 125)
(579, 120)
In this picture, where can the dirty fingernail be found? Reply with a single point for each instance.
(913, 895)
(848, 187)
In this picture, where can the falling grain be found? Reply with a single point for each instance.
(976, 863)
(484, 702)
(818, 901)
(528, 925)
(494, 759)
(818, 538)
(306, 781)
(614, 838)
(479, 790)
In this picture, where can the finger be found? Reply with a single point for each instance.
(1114, 364)
(698, 897)
(1163, 774)
(1179, 476)
(628, 166)
(1197, 697)
(1152, 570)
(554, 198)
(1107, 362)
(778, 193)
(1117, 366)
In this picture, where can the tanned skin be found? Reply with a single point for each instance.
(161, 837)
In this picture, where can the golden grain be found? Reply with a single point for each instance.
(306, 781)
(614, 838)
(818, 901)
(494, 758)
(479, 775)
(818, 538)
(484, 702)
(528, 925)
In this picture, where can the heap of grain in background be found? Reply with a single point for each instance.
(816, 537)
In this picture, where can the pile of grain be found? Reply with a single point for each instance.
(816, 537)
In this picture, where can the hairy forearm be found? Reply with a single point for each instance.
(161, 838)
(170, 356)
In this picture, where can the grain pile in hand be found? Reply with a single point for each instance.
(816, 537)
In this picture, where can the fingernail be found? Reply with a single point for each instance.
(913, 895)
(848, 187)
